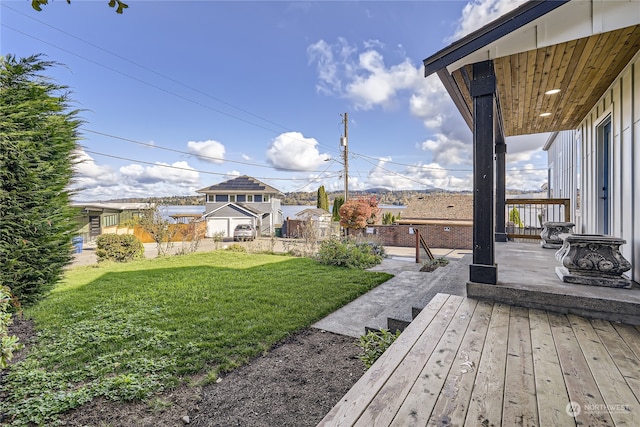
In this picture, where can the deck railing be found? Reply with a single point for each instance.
(524, 217)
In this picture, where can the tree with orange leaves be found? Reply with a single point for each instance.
(356, 214)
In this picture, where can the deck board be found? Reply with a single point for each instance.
(519, 404)
(468, 362)
(612, 385)
(453, 401)
(551, 391)
(416, 408)
(385, 405)
(485, 406)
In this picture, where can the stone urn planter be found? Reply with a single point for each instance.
(592, 259)
(551, 232)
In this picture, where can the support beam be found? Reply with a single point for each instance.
(501, 151)
(483, 89)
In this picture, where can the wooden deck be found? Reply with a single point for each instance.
(473, 363)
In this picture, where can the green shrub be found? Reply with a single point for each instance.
(432, 264)
(373, 344)
(236, 248)
(118, 247)
(8, 343)
(39, 130)
(350, 253)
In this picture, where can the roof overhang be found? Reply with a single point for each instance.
(578, 47)
(232, 205)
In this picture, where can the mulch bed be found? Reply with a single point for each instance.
(294, 384)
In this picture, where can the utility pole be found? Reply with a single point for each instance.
(344, 141)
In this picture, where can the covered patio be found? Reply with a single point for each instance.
(569, 358)
(523, 347)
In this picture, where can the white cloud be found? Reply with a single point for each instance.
(524, 148)
(526, 178)
(292, 151)
(377, 85)
(418, 175)
(87, 173)
(478, 13)
(134, 171)
(209, 151)
(177, 172)
(448, 151)
(328, 59)
(362, 78)
(100, 182)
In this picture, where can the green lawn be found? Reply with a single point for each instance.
(126, 331)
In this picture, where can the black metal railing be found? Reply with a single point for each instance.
(524, 217)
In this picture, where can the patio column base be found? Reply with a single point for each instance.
(550, 235)
(501, 237)
(617, 282)
(479, 273)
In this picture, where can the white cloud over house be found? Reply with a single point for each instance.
(478, 13)
(209, 151)
(293, 151)
(361, 75)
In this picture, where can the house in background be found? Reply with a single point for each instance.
(242, 200)
(102, 218)
(319, 219)
(445, 220)
(553, 66)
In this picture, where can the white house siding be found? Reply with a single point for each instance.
(564, 171)
(622, 102)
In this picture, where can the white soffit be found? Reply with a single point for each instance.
(571, 21)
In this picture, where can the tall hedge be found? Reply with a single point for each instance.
(38, 136)
(323, 199)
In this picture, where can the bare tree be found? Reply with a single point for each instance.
(159, 228)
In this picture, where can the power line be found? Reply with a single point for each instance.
(147, 68)
(165, 90)
(191, 169)
(202, 156)
(434, 168)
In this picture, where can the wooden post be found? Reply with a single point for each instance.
(501, 151)
(483, 87)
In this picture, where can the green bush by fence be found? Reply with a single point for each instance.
(118, 247)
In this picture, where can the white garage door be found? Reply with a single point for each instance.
(217, 225)
(237, 221)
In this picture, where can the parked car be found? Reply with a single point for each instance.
(244, 232)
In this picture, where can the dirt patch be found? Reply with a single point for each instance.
(294, 384)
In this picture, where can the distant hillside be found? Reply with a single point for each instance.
(384, 196)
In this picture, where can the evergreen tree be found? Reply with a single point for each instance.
(323, 199)
(337, 203)
(38, 136)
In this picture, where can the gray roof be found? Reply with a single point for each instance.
(114, 206)
(241, 184)
(440, 206)
(313, 213)
(226, 209)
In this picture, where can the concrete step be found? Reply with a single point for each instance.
(395, 298)
(425, 285)
(443, 280)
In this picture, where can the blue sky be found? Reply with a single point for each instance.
(215, 89)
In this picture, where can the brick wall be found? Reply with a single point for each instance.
(458, 237)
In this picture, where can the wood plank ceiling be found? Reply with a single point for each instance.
(582, 69)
